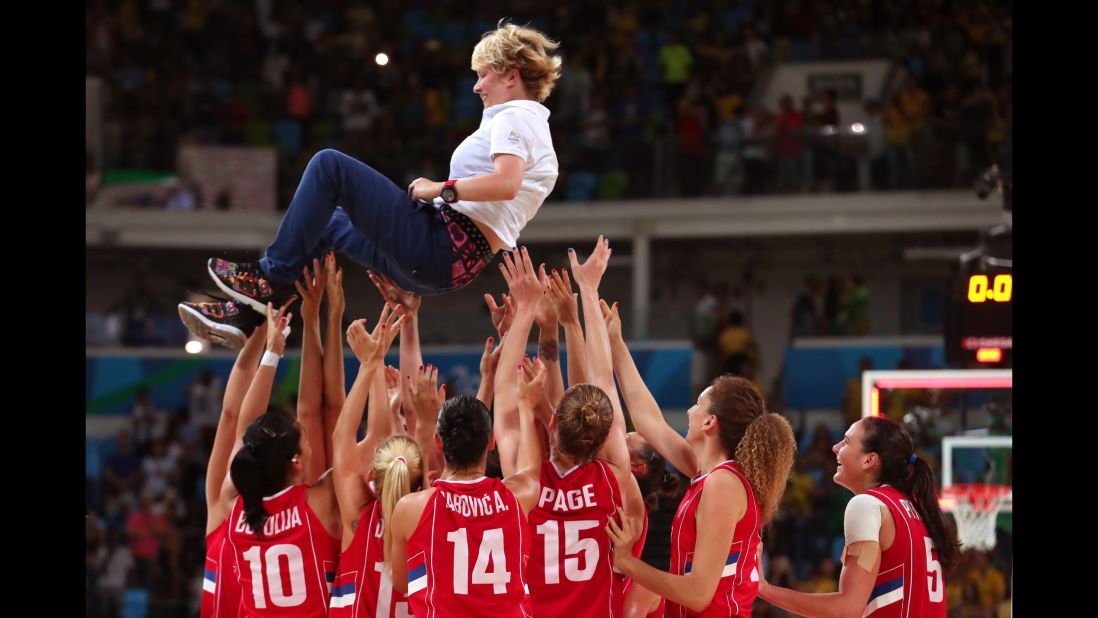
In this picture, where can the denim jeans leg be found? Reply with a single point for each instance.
(391, 224)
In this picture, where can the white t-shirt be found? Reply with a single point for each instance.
(519, 128)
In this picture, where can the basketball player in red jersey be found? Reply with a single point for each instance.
(220, 588)
(458, 548)
(370, 477)
(739, 456)
(898, 545)
(282, 531)
(586, 477)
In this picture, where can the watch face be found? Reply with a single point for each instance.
(448, 194)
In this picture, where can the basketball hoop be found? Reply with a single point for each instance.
(975, 506)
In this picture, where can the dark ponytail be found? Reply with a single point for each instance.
(658, 480)
(905, 471)
(260, 466)
(464, 426)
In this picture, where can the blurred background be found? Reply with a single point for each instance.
(795, 192)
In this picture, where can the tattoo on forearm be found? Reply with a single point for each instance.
(549, 350)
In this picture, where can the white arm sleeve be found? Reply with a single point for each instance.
(862, 521)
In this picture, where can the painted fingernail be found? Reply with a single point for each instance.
(571, 250)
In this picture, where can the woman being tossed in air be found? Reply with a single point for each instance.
(433, 236)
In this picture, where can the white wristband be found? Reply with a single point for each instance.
(270, 359)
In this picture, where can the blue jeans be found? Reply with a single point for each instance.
(348, 206)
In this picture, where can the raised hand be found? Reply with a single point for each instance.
(334, 288)
(393, 294)
(531, 383)
(546, 315)
(371, 347)
(518, 271)
(589, 274)
(278, 327)
(426, 398)
(312, 291)
(613, 320)
(564, 299)
(502, 315)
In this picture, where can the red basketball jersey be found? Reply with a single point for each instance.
(739, 581)
(363, 586)
(465, 556)
(571, 564)
(910, 582)
(220, 586)
(288, 571)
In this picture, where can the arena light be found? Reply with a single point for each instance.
(945, 383)
(381, 59)
(857, 127)
(989, 355)
(194, 346)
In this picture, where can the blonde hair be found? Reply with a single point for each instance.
(398, 471)
(525, 49)
(584, 416)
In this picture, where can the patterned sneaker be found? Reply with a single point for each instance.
(227, 323)
(244, 282)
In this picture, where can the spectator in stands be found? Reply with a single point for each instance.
(857, 306)
(692, 132)
(675, 61)
(161, 467)
(703, 333)
(852, 392)
(876, 147)
(728, 173)
(758, 129)
(807, 319)
(123, 467)
(988, 581)
(825, 141)
(146, 528)
(788, 149)
(835, 306)
(901, 165)
(138, 306)
(150, 423)
(204, 402)
(738, 350)
(181, 198)
(976, 115)
(115, 565)
(971, 606)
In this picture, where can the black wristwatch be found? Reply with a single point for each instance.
(449, 192)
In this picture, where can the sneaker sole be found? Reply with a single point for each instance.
(259, 307)
(213, 332)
